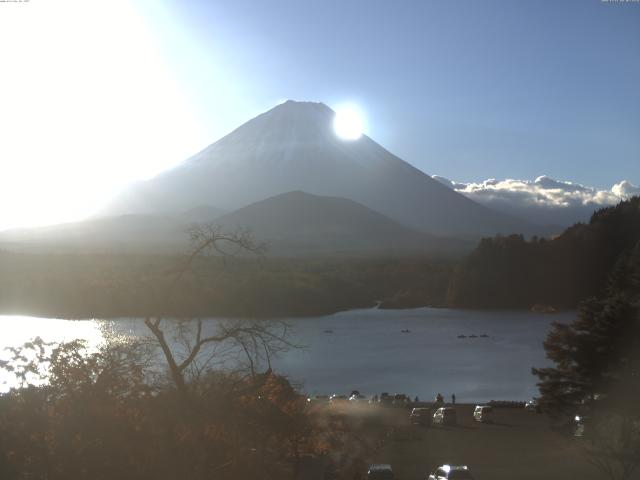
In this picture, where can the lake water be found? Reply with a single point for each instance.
(367, 350)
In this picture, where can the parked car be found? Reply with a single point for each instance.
(483, 413)
(421, 416)
(451, 472)
(579, 425)
(380, 471)
(358, 398)
(338, 398)
(532, 406)
(445, 416)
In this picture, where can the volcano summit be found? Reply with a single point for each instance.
(293, 147)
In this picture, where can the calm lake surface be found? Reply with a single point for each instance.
(367, 350)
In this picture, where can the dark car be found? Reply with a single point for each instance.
(380, 471)
(421, 416)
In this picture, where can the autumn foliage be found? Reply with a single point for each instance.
(105, 415)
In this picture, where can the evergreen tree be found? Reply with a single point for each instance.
(596, 376)
(511, 272)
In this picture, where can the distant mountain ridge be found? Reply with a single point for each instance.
(293, 147)
(119, 233)
(304, 223)
(292, 224)
(200, 214)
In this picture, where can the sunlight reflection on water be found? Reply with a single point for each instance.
(413, 351)
(18, 329)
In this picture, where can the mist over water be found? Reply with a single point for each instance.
(367, 350)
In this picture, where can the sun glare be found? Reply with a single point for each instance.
(88, 105)
(348, 123)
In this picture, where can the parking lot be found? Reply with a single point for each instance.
(517, 444)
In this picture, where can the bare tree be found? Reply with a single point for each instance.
(256, 341)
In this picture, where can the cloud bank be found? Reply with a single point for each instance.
(545, 201)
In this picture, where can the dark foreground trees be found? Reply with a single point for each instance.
(99, 416)
(512, 272)
(106, 414)
(255, 341)
(198, 401)
(594, 388)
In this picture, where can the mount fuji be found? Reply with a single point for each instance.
(293, 147)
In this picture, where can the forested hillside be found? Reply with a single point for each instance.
(511, 272)
(118, 285)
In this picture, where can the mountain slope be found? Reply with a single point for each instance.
(128, 233)
(297, 222)
(293, 224)
(293, 147)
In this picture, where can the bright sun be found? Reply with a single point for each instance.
(84, 111)
(348, 123)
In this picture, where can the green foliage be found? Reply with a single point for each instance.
(100, 417)
(111, 286)
(510, 272)
(596, 372)
(593, 355)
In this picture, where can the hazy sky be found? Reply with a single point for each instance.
(96, 94)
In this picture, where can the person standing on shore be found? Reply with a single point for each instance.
(453, 398)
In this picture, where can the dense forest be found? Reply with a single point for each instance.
(111, 286)
(511, 272)
(592, 388)
(208, 406)
(502, 272)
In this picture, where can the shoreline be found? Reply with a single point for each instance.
(376, 307)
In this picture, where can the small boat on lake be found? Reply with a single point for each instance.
(484, 335)
(462, 336)
(473, 336)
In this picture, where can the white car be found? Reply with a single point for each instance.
(451, 472)
(483, 413)
(445, 416)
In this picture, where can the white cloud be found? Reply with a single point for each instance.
(625, 189)
(543, 200)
